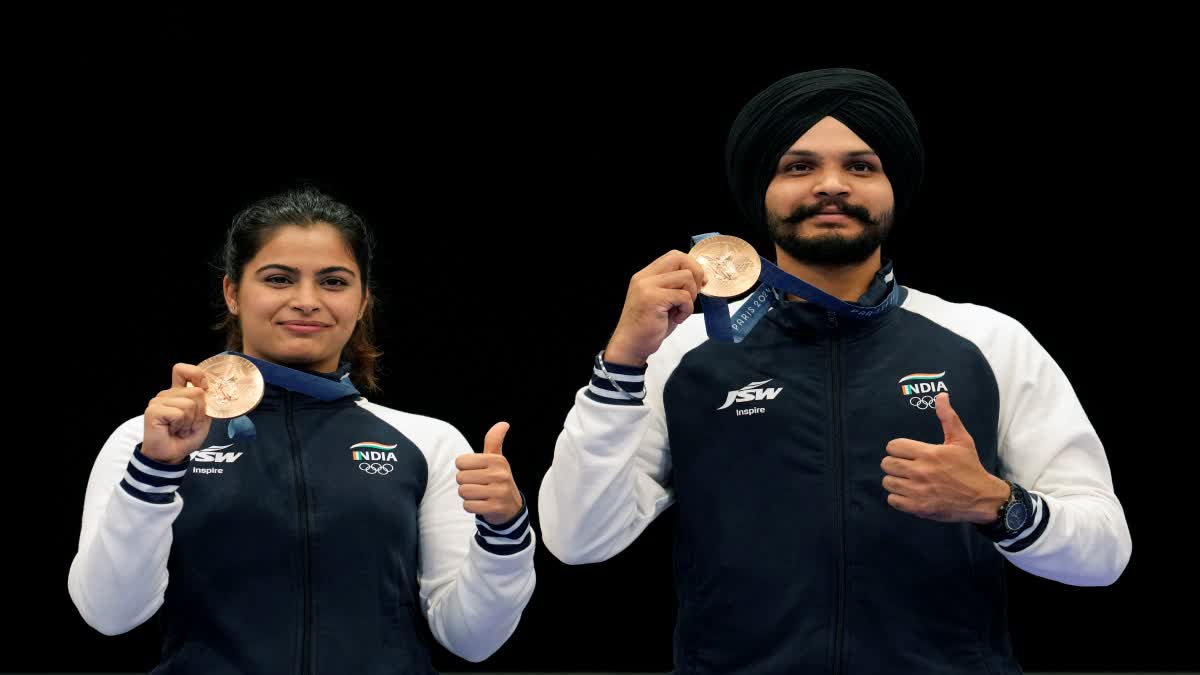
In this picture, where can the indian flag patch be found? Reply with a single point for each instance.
(372, 451)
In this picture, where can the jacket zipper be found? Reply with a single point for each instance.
(839, 499)
(306, 553)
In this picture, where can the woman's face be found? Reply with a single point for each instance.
(300, 298)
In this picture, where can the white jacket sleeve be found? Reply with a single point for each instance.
(475, 578)
(1048, 446)
(119, 574)
(610, 477)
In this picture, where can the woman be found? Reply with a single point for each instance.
(329, 534)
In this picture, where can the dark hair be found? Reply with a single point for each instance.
(305, 207)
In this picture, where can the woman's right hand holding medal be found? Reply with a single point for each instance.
(176, 421)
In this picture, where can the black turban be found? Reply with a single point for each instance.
(772, 121)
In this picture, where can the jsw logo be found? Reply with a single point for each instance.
(751, 392)
(209, 454)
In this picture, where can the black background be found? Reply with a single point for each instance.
(513, 195)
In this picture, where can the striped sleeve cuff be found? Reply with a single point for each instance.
(152, 481)
(623, 385)
(507, 538)
(1032, 532)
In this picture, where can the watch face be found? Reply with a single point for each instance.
(1017, 514)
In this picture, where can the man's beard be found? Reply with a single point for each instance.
(831, 249)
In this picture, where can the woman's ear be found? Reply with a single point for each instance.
(230, 290)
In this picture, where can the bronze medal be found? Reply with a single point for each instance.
(732, 265)
(233, 386)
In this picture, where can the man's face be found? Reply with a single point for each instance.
(829, 202)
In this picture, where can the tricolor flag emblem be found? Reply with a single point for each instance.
(373, 446)
(921, 383)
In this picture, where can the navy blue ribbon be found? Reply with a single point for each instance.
(320, 388)
(772, 281)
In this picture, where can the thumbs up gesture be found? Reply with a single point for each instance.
(485, 480)
(945, 482)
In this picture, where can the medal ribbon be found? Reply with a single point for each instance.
(317, 387)
(772, 282)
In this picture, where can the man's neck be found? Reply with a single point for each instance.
(845, 282)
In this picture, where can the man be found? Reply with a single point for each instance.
(852, 474)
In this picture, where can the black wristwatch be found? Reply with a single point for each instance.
(1013, 517)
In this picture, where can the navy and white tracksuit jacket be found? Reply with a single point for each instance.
(788, 558)
(333, 542)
